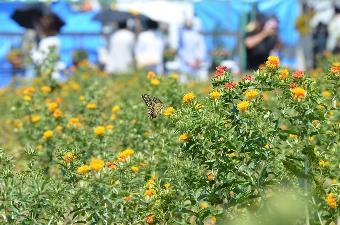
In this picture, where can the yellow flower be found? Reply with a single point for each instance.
(150, 219)
(59, 128)
(29, 91)
(215, 94)
(167, 185)
(243, 105)
(26, 118)
(265, 96)
(326, 94)
(155, 82)
(199, 106)
(211, 220)
(69, 157)
(211, 176)
(203, 205)
(82, 98)
(273, 62)
(128, 198)
(115, 108)
(122, 156)
(324, 163)
(284, 73)
(73, 122)
(151, 75)
(174, 76)
(134, 169)
(83, 169)
(57, 113)
(113, 117)
(52, 106)
(168, 111)
(188, 97)
(91, 106)
(39, 147)
(331, 200)
(294, 136)
(74, 86)
(27, 98)
(17, 123)
(48, 134)
(35, 118)
(183, 137)
(150, 192)
(109, 127)
(298, 93)
(45, 89)
(150, 182)
(96, 164)
(100, 130)
(250, 94)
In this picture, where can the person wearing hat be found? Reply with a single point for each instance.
(261, 39)
(47, 27)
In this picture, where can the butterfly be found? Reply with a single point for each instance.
(155, 106)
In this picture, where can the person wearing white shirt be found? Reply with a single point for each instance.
(121, 46)
(47, 27)
(192, 51)
(149, 48)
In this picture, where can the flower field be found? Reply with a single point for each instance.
(262, 149)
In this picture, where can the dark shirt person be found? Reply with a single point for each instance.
(336, 50)
(260, 41)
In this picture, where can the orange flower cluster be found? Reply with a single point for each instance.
(273, 62)
(331, 200)
(335, 68)
(298, 74)
(220, 70)
(73, 122)
(122, 156)
(284, 73)
(298, 93)
(183, 137)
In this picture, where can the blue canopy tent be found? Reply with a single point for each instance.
(217, 16)
(79, 32)
(82, 32)
(7, 42)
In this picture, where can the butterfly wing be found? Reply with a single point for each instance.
(155, 106)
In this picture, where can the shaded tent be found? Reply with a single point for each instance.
(80, 24)
(7, 26)
(83, 30)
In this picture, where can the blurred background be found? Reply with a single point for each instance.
(186, 37)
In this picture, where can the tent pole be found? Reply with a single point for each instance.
(243, 53)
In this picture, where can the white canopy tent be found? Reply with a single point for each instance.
(160, 10)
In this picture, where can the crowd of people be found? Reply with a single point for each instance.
(134, 44)
(317, 35)
(128, 49)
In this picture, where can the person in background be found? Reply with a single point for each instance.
(334, 29)
(320, 36)
(121, 46)
(149, 48)
(260, 40)
(192, 51)
(304, 49)
(47, 28)
(336, 50)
